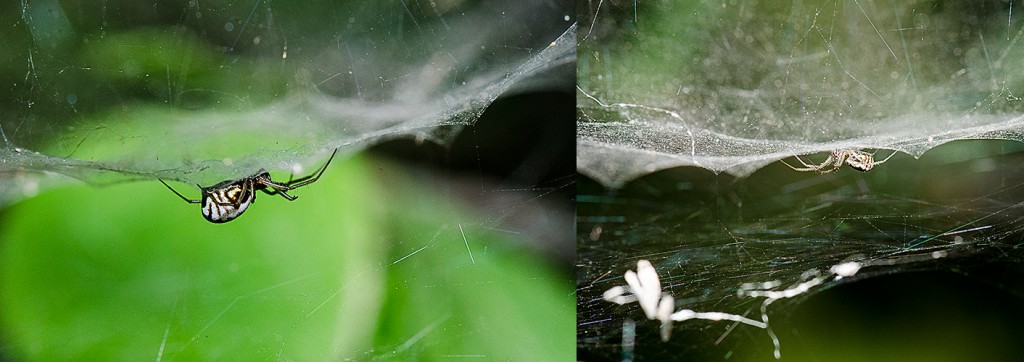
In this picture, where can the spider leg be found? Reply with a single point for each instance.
(188, 200)
(834, 161)
(275, 188)
(894, 152)
(809, 165)
(287, 196)
(812, 167)
(292, 184)
(273, 191)
(249, 186)
(801, 169)
(293, 180)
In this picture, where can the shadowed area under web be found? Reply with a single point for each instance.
(714, 239)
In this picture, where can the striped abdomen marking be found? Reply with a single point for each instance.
(223, 203)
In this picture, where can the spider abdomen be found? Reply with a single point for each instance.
(225, 203)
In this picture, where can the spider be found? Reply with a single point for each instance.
(857, 159)
(228, 199)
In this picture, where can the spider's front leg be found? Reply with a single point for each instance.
(273, 191)
(833, 161)
(838, 159)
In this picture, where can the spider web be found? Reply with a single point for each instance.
(755, 83)
(200, 94)
(685, 109)
(103, 98)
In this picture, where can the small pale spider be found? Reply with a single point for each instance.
(857, 159)
(228, 199)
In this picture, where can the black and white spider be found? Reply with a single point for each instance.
(228, 199)
(857, 159)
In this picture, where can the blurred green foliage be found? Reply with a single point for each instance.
(67, 61)
(355, 268)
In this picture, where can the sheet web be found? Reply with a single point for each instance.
(734, 86)
(197, 92)
(685, 110)
(201, 92)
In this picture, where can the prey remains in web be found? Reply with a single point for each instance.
(857, 159)
(644, 287)
(228, 199)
